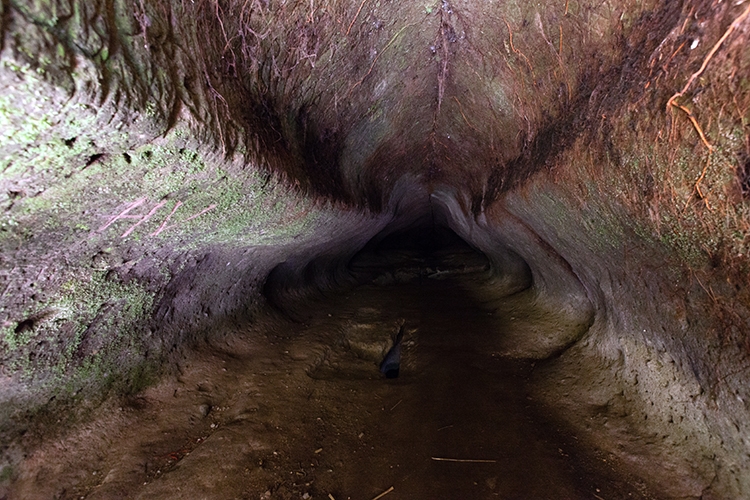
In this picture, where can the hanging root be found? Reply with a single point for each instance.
(673, 100)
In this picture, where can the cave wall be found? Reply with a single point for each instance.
(160, 161)
(649, 350)
(137, 217)
(641, 221)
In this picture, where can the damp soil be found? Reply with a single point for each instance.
(294, 410)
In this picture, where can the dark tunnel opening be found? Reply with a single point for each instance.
(419, 252)
(400, 253)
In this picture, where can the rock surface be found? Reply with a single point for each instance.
(170, 170)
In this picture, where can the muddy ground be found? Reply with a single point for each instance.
(297, 410)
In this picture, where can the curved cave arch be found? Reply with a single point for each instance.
(173, 173)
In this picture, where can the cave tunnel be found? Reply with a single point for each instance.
(372, 249)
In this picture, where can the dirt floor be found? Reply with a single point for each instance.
(300, 410)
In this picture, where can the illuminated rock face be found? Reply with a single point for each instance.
(170, 167)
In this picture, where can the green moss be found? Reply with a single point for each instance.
(85, 294)
(75, 167)
(187, 204)
(213, 204)
(116, 309)
(6, 473)
(13, 340)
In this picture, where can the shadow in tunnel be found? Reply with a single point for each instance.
(466, 425)
(446, 397)
(459, 421)
(416, 253)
